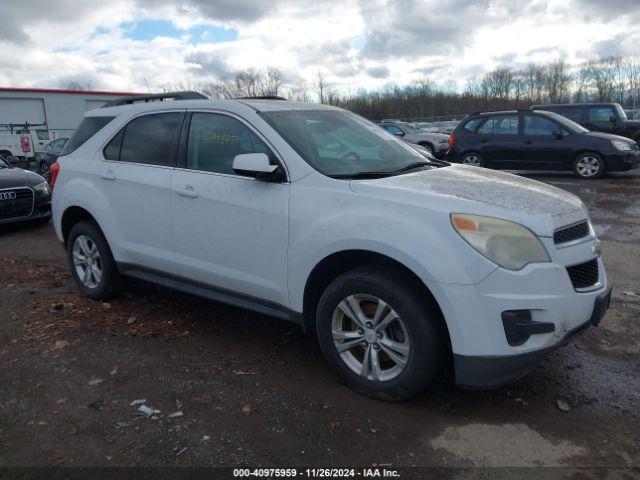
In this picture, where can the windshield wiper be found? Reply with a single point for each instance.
(386, 173)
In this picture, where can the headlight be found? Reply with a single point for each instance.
(622, 146)
(508, 244)
(42, 188)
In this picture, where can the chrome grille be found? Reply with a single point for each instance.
(584, 275)
(571, 233)
(20, 206)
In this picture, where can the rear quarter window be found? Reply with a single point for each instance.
(472, 125)
(87, 129)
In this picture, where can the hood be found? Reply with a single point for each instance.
(17, 177)
(434, 137)
(480, 191)
(607, 136)
(632, 124)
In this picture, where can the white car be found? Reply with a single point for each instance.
(394, 262)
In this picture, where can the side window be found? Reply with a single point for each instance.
(506, 125)
(572, 113)
(112, 150)
(87, 129)
(601, 114)
(149, 139)
(392, 129)
(472, 125)
(487, 127)
(215, 140)
(537, 125)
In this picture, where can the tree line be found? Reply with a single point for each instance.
(611, 79)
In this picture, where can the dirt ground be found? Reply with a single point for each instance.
(237, 388)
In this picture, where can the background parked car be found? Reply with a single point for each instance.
(539, 140)
(48, 156)
(437, 143)
(599, 117)
(24, 195)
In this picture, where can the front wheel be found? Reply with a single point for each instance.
(44, 171)
(92, 265)
(378, 335)
(589, 165)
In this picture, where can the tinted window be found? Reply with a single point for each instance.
(506, 125)
(537, 125)
(600, 114)
(112, 150)
(487, 127)
(472, 125)
(574, 114)
(392, 129)
(151, 139)
(215, 140)
(87, 129)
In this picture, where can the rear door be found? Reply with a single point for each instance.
(500, 141)
(544, 144)
(135, 175)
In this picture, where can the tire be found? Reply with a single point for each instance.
(474, 159)
(416, 326)
(86, 238)
(589, 166)
(44, 171)
(429, 147)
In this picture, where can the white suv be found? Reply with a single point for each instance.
(315, 215)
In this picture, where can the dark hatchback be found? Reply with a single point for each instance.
(24, 195)
(539, 140)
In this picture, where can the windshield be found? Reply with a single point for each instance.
(339, 143)
(621, 113)
(3, 164)
(570, 125)
(410, 127)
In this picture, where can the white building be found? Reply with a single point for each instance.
(58, 111)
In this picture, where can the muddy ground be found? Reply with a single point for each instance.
(253, 390)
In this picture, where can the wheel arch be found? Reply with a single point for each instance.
(73, 215)
(343, 261)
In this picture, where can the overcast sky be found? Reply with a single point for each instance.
(117, 44)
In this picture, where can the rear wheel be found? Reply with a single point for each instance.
(378, 335)
(92, 265)
(474, 159)
(589, 165)
(429, 147)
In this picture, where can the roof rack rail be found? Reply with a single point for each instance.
(155, 97)
(262, 97)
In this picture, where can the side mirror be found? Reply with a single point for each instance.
(399, 134)
(257, 165)
(613, 119)
(13, 160)
(558, 133)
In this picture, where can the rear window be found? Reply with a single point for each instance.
(87, 129)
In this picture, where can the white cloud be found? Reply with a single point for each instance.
(356, 43)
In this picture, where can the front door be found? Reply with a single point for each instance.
(230, 231)
(544, 144)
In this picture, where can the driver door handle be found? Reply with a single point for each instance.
(187, 191)
(527, 141)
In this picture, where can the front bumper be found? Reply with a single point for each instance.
(623, 161)
(493, 371)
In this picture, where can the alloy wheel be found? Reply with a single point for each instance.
(45, 172)
(86, 261)
(370, 337)
(588, 166)
(472, 160)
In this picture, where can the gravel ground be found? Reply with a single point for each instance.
(234, 387)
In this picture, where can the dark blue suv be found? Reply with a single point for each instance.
(539, 140)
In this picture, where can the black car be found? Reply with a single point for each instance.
(24, 195)
(49, 155)
(599, 117)
(539, 140)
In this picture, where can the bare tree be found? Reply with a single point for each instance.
(557, 81)
(320, 85)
